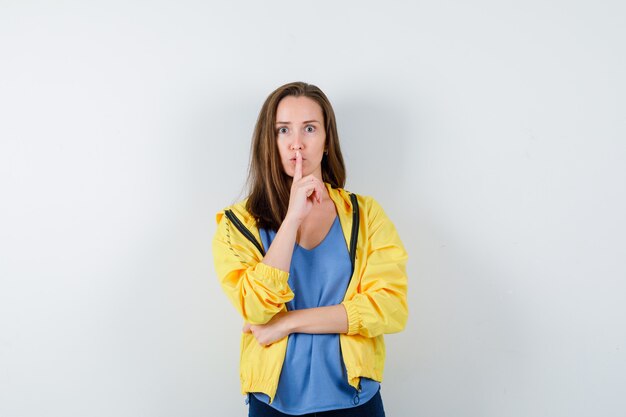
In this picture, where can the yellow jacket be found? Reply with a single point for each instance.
(375, 299)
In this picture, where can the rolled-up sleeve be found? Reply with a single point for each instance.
(380, 303)
(258, 291)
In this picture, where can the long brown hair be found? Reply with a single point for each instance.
(269, 186)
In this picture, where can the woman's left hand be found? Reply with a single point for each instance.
(272, 331)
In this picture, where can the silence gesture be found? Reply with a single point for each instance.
(305, 191)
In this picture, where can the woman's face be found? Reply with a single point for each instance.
(300, 126)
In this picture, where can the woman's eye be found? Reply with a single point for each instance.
(282, 130)
(309, 129)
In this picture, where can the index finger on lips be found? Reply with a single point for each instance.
(297, 174)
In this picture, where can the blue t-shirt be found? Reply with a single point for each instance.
(313, 377)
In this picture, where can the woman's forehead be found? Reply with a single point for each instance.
(298, 109)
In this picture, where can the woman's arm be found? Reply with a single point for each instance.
(281, 250)
(305, 193)
(258, 288)
(319, 320)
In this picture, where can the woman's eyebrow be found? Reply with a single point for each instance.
(306, 121)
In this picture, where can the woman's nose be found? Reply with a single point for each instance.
(297, 142)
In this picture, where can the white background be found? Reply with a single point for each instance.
(493, 133)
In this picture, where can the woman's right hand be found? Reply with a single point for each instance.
(305, 191)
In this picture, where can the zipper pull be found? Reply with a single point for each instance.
(356, 400)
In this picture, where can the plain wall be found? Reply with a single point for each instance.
(492, 133)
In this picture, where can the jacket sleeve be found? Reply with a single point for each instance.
(380, 303)
(258, 291)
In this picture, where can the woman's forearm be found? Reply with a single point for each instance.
(320, 320)
(281, 250)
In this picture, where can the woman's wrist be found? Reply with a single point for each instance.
(290, 324)
(291, 221)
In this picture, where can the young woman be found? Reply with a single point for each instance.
(316, 272)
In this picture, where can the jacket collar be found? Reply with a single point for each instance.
(341, 198)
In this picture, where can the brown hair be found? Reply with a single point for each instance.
(269, 186)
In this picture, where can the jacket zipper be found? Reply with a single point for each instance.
(355, 230)
(244, 230)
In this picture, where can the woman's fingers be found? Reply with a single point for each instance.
(258, 332)
(304, 192)
(313, 187)
(320, 191)
(266, 334)
(317, 189)
(297, 175)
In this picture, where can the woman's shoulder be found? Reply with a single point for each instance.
(238, 209)
(364, 200)
(368, 205)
